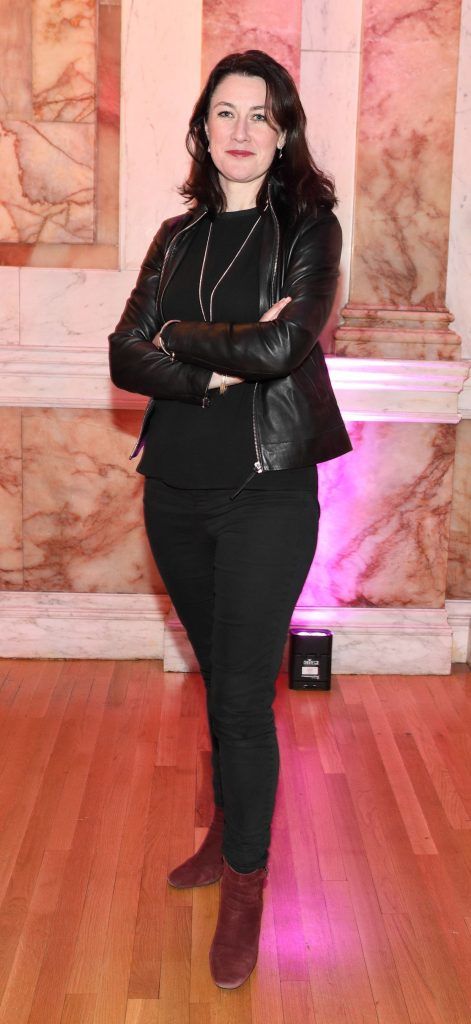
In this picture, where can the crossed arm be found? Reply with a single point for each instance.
(269, 348)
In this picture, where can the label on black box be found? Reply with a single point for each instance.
(310, 667)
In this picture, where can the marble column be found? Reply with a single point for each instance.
(396, 305)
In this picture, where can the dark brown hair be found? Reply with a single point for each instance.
(297, 184)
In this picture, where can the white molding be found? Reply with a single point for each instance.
(419, 641)
(71, 625)
(459, 617)
(366, 389)
(409, 641)
(412, 390)
(464, 398)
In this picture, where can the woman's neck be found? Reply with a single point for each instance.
(240, 195)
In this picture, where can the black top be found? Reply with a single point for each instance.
(194, 446)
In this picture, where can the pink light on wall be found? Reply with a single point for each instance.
(384, 522)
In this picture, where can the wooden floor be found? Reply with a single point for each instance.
(105, 783)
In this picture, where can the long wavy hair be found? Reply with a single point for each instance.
(297, 184)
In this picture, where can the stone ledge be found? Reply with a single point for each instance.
(367, 389)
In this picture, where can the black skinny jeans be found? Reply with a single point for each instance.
(234, 569)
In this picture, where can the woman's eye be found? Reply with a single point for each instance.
(260, 117)
(222, 113)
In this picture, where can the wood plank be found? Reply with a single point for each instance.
(30, 821)
(59, 952)
(410, 809)
(146, 959)
(26, 963)
(378, 956)
(106, 784)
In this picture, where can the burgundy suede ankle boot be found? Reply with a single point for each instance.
(206, 865)
(234, 948)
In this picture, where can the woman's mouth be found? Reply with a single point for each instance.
(240, 152)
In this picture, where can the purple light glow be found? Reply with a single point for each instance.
(382, 512)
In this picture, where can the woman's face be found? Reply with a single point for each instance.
(242, 141)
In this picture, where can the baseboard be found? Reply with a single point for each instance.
(412, 641)
(54, 625)
(459, 617)
(365, 640)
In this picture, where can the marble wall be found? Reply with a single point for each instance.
(92, 131)
(59, 138)
(72, 503)
(383, 538)
(72, 519)
(228, 28)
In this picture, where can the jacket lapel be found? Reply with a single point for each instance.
(179, 243)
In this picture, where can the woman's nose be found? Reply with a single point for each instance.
(240, 130)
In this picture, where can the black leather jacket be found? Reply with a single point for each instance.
(296, 419)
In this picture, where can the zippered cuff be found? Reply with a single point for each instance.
(206, 400)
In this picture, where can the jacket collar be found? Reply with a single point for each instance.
(269, 251)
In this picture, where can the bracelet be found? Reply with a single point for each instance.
(161, 343)
(223, 385)
(163, 349)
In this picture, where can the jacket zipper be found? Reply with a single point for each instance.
(160, 294)
(258, 464)
(275, 265)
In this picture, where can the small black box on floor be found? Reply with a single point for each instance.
(310, 658)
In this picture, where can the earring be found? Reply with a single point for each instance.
(280, 151)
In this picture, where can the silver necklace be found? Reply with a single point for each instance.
(252, 229)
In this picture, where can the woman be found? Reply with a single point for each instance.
(221, 330)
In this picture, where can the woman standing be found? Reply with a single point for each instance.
(221, 330)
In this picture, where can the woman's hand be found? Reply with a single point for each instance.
(272, 313)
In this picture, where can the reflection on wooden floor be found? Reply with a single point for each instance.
(105, 783)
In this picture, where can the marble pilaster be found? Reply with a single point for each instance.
(458, 295)
(11, 539)
(396, 305)
(330, 61)
(459, 557)
(160, 82)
